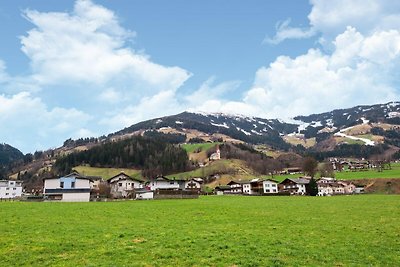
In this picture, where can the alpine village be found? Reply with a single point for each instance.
(343, 152)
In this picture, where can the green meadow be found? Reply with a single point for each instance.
(211, 231)
(190, 148)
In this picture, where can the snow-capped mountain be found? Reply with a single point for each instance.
(272, 132)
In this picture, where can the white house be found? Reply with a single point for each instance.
(295, 186)
(122, 185)
(144, 194)
(72, 187)
(236, 187)
(246, 187)
(325, 189)
(162, 182)
(10, 189)
(193, 184)
(270, 186)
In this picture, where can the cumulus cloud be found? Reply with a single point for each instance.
(31, 122)
(331, 18)
(82, 59)
(89, 45)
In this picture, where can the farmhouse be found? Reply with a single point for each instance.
(193, 184)
(162, 182)
(270, 186)
(236, 187)
(10, 189)
(122, 185)
(295, 186)
(72, 187)
(330, 186)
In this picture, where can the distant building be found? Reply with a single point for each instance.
(123, 185)
(193, 184)
(162, 182)
(216, 155)
(270, 186)
(296, 186)
(10, 189)
(72, 187)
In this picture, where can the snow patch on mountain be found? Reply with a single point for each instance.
(220, 125)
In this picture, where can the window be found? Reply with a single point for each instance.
(7, 188)
(267, 185)
(6, 194)
(119, 184)
(273, 185)
(267, 191)
(171, 182)
(72, 184)
(14, 188)
(62, 184)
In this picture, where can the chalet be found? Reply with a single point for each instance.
(349, 187)
(72, 187)
(256, 186)
(194, 184)
(162, 183)
(237, 186)
(123, 185)
(295, 186)
(325, 189)
(270, 186)
(10, 189)
(330, 186)
(292, 170)
(222, 189)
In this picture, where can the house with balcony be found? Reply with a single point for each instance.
(123, 185)
(296, 186)
(165, 183)
(70, 188)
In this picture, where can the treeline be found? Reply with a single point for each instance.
(82, 141)
(172, 138)
(346, 150)
(153, 156)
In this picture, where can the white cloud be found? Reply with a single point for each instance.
(210, 90)
(162, 104)
(29, 121)
(284, 31)
(316, 81)
(331, 18)
(89, 45)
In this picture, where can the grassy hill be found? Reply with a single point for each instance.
(210, 231)
(106, 173)
(224, 166)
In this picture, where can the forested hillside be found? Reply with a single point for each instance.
(151, 155)
(8, 155)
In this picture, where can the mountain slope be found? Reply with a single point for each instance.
(9, 154)
(247, 129)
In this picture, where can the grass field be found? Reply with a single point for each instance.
(350, 175)
(106, 173)
(210, 231)
(190, 148)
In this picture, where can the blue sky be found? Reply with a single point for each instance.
(86, 68)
